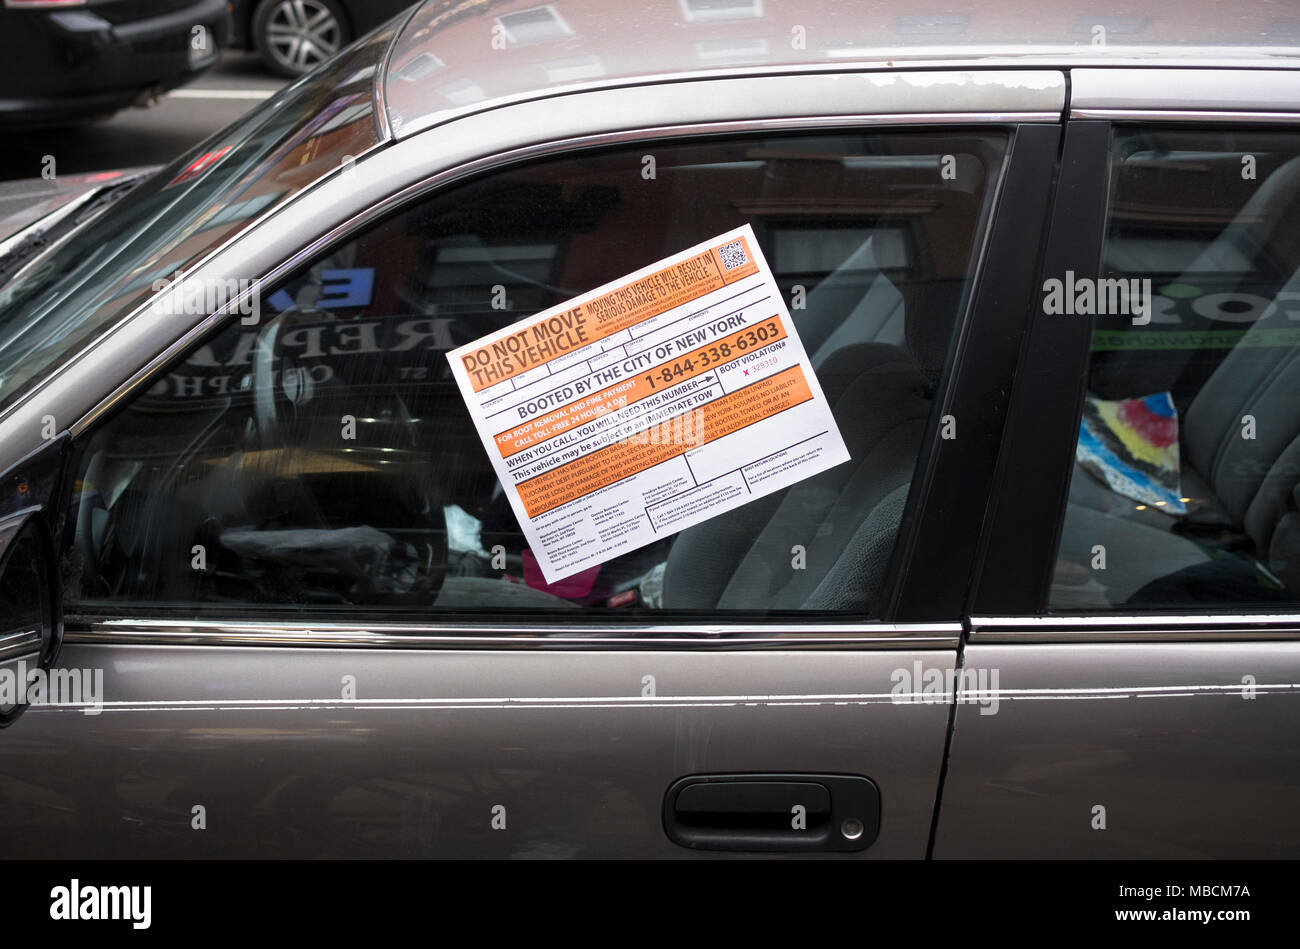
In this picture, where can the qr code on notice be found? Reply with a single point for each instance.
(733, 255)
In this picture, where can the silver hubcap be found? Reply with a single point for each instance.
(303, 33)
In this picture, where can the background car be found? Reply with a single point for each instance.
(77, 60)
(266, 517)
(295, 36)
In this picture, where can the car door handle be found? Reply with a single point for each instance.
(773, 812)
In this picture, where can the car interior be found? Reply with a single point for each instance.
(324, 458)
(1211, 228)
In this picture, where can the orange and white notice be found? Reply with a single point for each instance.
(648, 405)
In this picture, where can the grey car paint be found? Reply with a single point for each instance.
(1188, 756)
(565, 739)
(262, 727)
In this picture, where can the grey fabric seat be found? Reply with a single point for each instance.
(846, 519)
(1266, 216)
(1246, 487)
(1237, 486)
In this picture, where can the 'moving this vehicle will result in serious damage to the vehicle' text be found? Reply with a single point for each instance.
(673, 428)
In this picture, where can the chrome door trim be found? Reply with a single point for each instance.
(1166, 92)
(20, 644)
(1189, 627)
(493, 161)
(1185, 115)
(469, 635)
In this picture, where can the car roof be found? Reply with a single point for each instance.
(455, 57)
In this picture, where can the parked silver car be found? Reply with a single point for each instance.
(279, 601)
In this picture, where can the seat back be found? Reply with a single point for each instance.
(844, 520)
(1253, 478)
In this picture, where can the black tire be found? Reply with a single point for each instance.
(293, 37)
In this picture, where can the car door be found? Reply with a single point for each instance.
(1138, 606)
(322, 632)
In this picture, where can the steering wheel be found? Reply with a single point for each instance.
(413, 572)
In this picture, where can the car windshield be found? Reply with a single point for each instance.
(61, 300)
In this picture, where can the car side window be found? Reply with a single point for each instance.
(321, 456)
(1185, 492)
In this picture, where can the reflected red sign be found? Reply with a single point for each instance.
(200, 165)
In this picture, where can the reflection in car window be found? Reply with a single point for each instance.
(1186, 484)
(323, 458)
(64, 298)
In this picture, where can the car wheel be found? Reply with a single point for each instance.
(295, 36)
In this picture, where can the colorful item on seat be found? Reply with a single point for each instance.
(1132, 445)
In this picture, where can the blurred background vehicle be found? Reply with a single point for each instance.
(132, 137)
(67, 62)
(293, 37)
